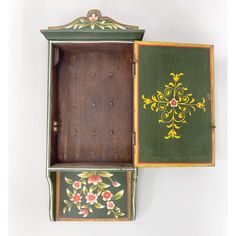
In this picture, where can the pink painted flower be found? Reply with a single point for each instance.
(116, 184)
(94, 179)
(93, 18)
(77, 185)
(91, 198)
(110, 205)
(107, 195)
(84, 212)
(173, 102)
(76, 197)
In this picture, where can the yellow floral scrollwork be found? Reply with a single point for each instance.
(174, 104)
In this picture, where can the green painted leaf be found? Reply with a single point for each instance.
(69, 181)
(108, 212)
(67, 202)
(92, 188)
(85, 206)
(105, 174)
(78, 205)
(99, 191)
(120, 26)
(83, 181)
(117, 209)
(103, 185)
(120, 213)
(64, 209)
(85, 190)
(86, 174)
(98, 205)
(90, 210)
(68, 192)
(118, 195)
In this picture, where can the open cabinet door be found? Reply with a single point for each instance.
(173, 105)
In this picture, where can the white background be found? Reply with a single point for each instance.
(171, 201)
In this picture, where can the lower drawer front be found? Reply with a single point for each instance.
(95, 195)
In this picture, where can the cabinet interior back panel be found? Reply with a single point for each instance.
(94, 106)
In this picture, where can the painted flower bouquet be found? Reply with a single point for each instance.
(92, 190)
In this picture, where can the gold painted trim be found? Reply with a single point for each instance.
(136, 104)
(59, 218)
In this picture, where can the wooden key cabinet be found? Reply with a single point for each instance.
(116, 103)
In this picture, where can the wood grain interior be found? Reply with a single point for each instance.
(92, 103)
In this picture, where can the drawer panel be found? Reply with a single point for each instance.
(95, 195)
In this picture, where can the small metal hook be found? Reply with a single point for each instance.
(75, 75)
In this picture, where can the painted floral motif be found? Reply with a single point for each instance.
(107, 195)
(94, 179)
(76, 197)
(90, 191)
(174, 104)
(93, 22)
(110, 205)
(77, 185)
(116, 184)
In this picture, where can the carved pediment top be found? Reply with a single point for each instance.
(94, 21)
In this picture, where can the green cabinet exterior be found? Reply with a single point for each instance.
(172, 118)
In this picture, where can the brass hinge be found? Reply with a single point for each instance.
(134, 138)
(134, 69)
(213, 126)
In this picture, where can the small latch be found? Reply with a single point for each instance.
(134, 138)
(213, 126)
(55, 126)
(134, 69)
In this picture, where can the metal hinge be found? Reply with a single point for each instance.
(134, 69)
(55, 126)
(213, 126)
(134, 138)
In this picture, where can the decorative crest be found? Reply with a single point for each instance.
(94, 20)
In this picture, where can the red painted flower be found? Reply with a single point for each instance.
(76, 197)
(116, 184)
(110, 205)
(91, 198)
(94, 179)
(84, 212)
(173, 102)
(107, 195)
(77, 185)
(93, 17)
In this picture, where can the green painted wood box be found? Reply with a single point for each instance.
(116, 103)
